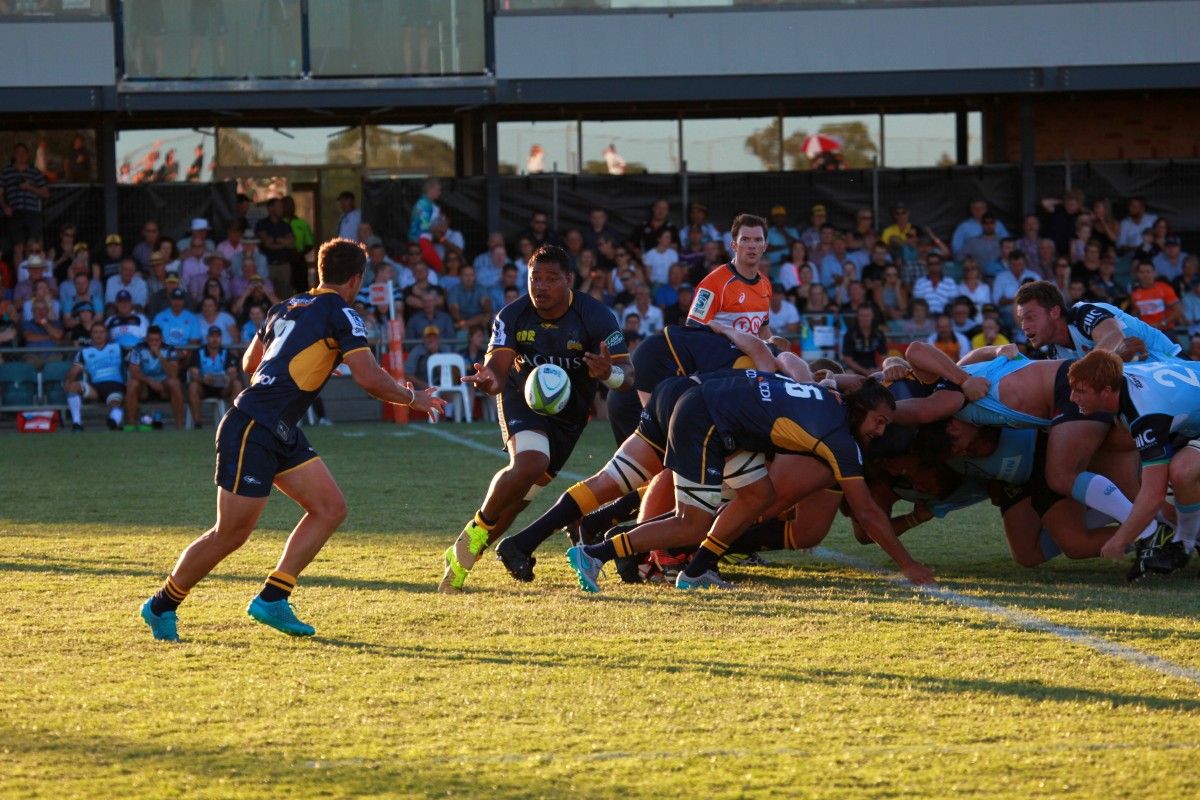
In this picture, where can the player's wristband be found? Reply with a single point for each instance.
(412, 399)
(615, 378)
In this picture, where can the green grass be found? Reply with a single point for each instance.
(810, 680)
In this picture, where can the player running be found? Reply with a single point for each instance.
(1159, 403)
(259, 444)
(550, 325)
(1071, 332)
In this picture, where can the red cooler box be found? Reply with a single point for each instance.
(38, 421)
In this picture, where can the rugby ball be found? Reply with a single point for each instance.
(547, 389)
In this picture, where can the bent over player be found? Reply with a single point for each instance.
(258, 443)
(550, 325)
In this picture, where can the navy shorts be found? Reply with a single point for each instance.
(1064, 409)
(653, 363)
(624, 409)
(250, 457)
(696, 451)
(656, 416)
(516, 416)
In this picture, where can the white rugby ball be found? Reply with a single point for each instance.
(548, 389)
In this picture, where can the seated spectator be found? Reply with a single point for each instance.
(469, 303)
(525, 248)
(1061, 277)
(948, 340)
(646, 236)
(151, 235)
(963, 316)
(1086, 268)
(129, 281)
(1129, 236)
(1162, 230)
(785, 318)
(216, 269)
(871, 273)
(897, 233)
(255, 318)
(814, 235)
(156, 276)
(199, 232)
(864, 346)
(934, 287)
(834, 262)
(435, 245)
(256, 294)
(789, 272)
(96, 375)
(631, 325)
(1189, 276)
(42, 329)
(487, 270)
(818, 301)
(984, 248)
(658, 260)
(917, 325)
(376, 257)
(424, 282)
(973, 287)
(865, 233)
(153, 375)
(41, 293)
(1190, 305)
(79, 334)
(650, 315)
(823, 246)
(666, 294)
(1008, 282)
(1076, 291)
(973, 226)
(247, 270)
(1169, 263)
(698, 222)
(1148, 248)
(212, 372)
(365, 312)
(1103, 286)
(891, 296)
(677, 312)
(452, 267)
(109, 263)
(508, 280)
(856, 298)
(1083, 235)
(691, 251)
(211, 316)
(179, 326)
(8, 323)
(429, 315)
(476, 350)
(1030, 242)
(193, 266)
(538, 231)
(989, 334)
(1106, 229)
(161, 300)
(35, 265)
(418, 358)
(780, 236)
(125, 326)
(1154, 301)
(596, 228)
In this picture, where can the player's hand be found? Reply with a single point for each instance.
(975, 387)
(1114, 549)
(919, 574)
(484, 379)
(427, 402)
(1009, 351)
(1131, 348)
(895, 372)
(599, 366)
(922, 512)
(719, 327)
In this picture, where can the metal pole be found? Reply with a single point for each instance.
(679, 148)
(1028, 156)
(961, 139)
(1067, 159)
(107, 150)
(684, 188)
(882, 162)
(492, 173)
(779, 125)
(554, 196)
(579, 144)
(875, 188)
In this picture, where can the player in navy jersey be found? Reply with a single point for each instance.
(719, 433)
(1159, 403)
(302, 341)
(550, 325)
(1063, 332)
(153, 374)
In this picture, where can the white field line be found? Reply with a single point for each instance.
(1016, 617)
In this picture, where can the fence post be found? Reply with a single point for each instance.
(554, 197)
(875, 187)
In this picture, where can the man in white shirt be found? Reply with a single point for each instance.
(351, 217)
(128, 280)
(650, 315)
(935, 288)
(784, 316)
(971, 227)
(1008, 282)
(1130, 236)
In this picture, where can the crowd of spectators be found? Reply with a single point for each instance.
(848, 291)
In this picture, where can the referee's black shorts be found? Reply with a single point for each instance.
(250, 457)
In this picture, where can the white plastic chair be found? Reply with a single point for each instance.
(440, 371)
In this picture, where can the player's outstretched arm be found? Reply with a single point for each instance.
(879, 528)
(376, 382)
(748, 343)
(1108, 335)
(489, 376)
(927, 360)
(600, 366)
(990, 352)
(253, 355)
(794, 367)
(1151, 493)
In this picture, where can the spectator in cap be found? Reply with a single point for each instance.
(247, 267)
(215, 268)
(780, 236)
(897, 233)
(431, 344)
(255, 295)
(129, 281)
(211, 316)
(429, 315)
(35, 264)
(110, 259)
(198, 232)
(161, 299)
(179, 325)
(817, 219)
(1169, 263)
(212, 372)
(126, 326)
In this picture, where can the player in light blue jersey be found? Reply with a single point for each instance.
(153, 374)
(97, 374)
(1062, 332)
(177, 324)
(1160, 405)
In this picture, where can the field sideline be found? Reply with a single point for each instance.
(818, 677)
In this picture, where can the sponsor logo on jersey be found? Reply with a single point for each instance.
(703, 301)
(615, 339)
(549, 326)
(300, 300)
(1135, 380)
(526, 337)
(250, 479)
(742, 297)
(357, 327)
(574, 345)
(1145, 439)
(538, 360)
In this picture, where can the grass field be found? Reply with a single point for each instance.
(814, 678)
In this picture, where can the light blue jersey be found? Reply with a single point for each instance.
(177, 330)
(102, 365)
(1011, 462)
(1160, 405)
(989, 410)
(152, 366)
(1082, 319)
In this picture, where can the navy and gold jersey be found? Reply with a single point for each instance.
(586, 324)
(770, 413)
(304, 339)
(679, 351)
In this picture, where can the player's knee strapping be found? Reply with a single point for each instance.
(744, 468)
(697, 495)
(627, 472)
